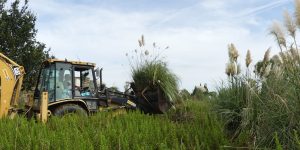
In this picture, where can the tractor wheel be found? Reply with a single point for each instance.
(69, 109)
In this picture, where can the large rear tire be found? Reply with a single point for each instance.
(69, 109)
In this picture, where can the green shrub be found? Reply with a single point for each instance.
(155, 75)
(150, 72)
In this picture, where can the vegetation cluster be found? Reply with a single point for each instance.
(260, 106)
(255, 108)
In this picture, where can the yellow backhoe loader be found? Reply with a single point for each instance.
(69, 87)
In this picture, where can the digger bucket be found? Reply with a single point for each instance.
(153, 101)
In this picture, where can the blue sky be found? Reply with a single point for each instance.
(197, 32)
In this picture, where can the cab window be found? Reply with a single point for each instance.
(63, 81)
(46, 82)
(84, 82)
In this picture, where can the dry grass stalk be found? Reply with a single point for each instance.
(278, 33)
(294, 54)
(238, 69)
(248, 58)
(277, 69)
(231, 69)
(232, 52)
(277, 60)
(143, 40)
(283, 57)
(267, 70)
(267, 56)
(290, 24)
(297, 12)
(146, 52)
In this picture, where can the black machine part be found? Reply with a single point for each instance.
(153, 102)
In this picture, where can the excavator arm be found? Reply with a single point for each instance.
(11, 80)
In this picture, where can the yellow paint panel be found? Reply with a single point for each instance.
(131, 103)
(10, 85)
(7, 87)
(71, 62)
(44, 107)
(0, 89)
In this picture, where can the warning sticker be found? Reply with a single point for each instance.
(6, 74)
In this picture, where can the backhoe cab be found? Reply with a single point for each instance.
(72, 87)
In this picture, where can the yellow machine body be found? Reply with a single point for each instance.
(11, 79)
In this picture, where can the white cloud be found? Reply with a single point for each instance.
(197, 35)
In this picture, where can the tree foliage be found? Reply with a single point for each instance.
(18, 39)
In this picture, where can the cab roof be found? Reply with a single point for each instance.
(71, 62)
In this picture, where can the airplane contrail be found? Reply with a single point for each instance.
(248, 12)
(175, 13)
(262, 8)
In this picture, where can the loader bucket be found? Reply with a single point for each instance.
(153, 102)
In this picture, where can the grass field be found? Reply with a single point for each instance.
(188, 127)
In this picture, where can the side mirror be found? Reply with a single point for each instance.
(99, 75)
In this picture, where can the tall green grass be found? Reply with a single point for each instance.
(191, 126)
(262, 110)
(254, 109)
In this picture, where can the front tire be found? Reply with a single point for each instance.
(69, 109)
